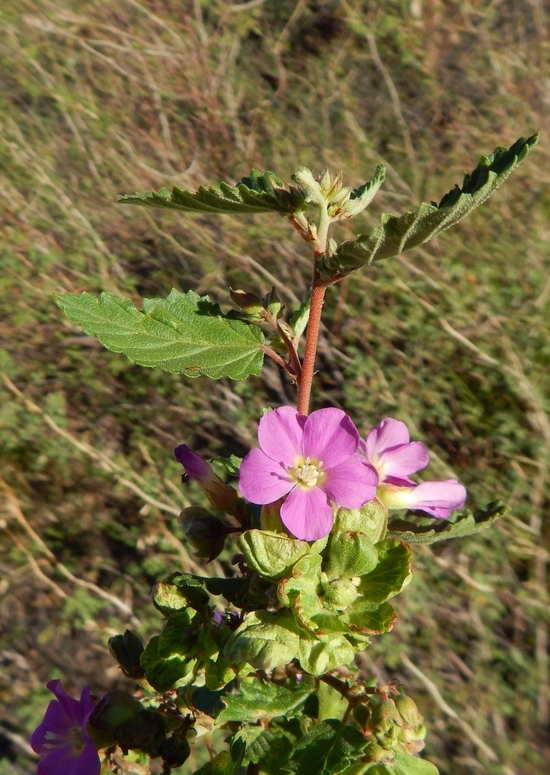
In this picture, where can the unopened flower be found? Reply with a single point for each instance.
(220, 495)
(389, 449)
(62, 739)
(313, 461)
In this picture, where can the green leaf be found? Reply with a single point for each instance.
(350, 554)
(257, 700)
(184, 333)
(258, 193)
(178, 591)
(300, 318)
(364, 619)
(397, 234)
(271, 747)
(272, 555)
(405, 764)
(371, 520)
(301, 589)
(422, 530)
(317, 656)
(361, 197)
(392, 573)
(264, 640)
(327, 749)
(165, 673)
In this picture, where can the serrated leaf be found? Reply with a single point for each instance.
(257, 700)
(361, 197)
(184, 333)
(327, 749)
(397, 234)
(257, 193)
(271, 746)
(422, 530)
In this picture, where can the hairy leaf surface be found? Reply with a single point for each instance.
(257, 193)
(396, 234)
(184, 333)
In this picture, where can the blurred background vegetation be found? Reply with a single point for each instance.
(101, 97)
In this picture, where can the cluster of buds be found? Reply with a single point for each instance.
(394, 724)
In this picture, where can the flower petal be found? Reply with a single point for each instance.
(352, 483)
(436, 498)
(307, 514)
(262, 479)
(330, 436)
(402, 460)
(280, 434)
(389, 433)
(55, 720)
(70, 706)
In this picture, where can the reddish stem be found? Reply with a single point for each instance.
(312, 336)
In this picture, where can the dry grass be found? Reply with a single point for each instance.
(100, 98)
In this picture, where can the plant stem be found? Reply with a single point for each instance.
(279, 361)
(317, 298)
(312, 337)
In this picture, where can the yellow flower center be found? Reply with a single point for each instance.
(308, 472)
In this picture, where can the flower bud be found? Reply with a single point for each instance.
(205, 533)
(175, 751)
(248, 302)
(339, 594)
(386, 723)
(220, 495)
(114, 708)
(408, 711)
(127, 650)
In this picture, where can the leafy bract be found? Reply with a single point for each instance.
(257, 193)
(272, 555)
(327, 749)
(257, 700)
(424, 530)
(167, 672)
(391, 575)
(397, 234)
(184, 333)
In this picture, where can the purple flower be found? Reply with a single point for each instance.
(313, 461)
(62, 738)
(220, 495)
(395, 457)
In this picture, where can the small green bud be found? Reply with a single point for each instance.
(248, 302)
(127, 650)
(339, 594)
(408, 711)
(386, 723)
(271, 303)
(205, 533)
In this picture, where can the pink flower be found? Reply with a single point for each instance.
(395, 457)
(62, 737)
(313, 461)
(220, 495)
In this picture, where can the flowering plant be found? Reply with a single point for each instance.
(318, 553)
